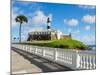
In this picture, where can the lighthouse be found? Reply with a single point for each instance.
(48, 24)
(47, 34)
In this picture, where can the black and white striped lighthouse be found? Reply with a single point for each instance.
(48, 24)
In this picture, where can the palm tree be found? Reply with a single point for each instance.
(21, 19)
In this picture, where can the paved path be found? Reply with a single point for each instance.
(23, 62)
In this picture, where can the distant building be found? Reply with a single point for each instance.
(47, 34)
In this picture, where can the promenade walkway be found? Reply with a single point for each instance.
(23, 62)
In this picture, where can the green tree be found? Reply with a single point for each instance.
(21, 19)
(14, 38)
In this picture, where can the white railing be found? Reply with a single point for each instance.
(73, 59)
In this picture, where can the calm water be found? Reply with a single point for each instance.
(93, 48)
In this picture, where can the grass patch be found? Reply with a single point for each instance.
(62, 43)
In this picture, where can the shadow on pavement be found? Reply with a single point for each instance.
(44, 64)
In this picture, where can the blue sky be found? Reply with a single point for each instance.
(68, 18)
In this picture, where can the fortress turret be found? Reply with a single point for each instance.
(48, 24)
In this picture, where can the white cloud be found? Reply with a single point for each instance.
(71, 22)
(13, 20)
(87, 6)
(15, 9)
(87, 27)
(14, 23)
(27, 29)
(89, 19)
(15, 12)
(35, 29)
(76, 32)
(24, 37)
(73, 31)
(40, 18)
(88, 39)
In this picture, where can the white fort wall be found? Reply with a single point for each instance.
(59, 34)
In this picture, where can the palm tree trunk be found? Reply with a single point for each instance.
(20, 33)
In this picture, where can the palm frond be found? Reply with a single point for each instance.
(21, 19)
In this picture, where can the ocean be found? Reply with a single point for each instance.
(93, 48)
